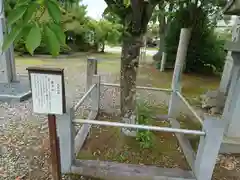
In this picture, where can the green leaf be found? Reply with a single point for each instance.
(59, 33)
(33, 39)
(54, 10)
(29, 13)
(16, 14)
(52, 41)
(126, 3)
(24, 32)
(22, 2)
(10, 37)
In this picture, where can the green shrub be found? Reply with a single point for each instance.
(145, 137)
(205, 52)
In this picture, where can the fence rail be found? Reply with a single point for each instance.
(139, 87)
(189, 107)
(80, 102)
(138, 126)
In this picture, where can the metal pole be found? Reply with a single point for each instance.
(189, 107)
(138, 87)
(137, 126)
(54, 146)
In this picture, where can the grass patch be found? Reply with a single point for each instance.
(109, 66)
(108, 56)
(193, 85)
(31, 61)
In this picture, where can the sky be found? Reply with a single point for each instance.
(95, 7)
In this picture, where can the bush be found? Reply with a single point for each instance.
(205, 52)
(145, 137)
(42, 49)
(76, 45)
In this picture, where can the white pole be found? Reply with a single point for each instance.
(163, 61)
(180, 59)
(139, 126)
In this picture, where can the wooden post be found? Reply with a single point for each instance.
(91, 70)
(95, 95)
(48, 95)
(180, 59)
(54, 147)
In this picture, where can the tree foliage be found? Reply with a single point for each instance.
(74, 32)
(107, 32)
(34, 22)
(201, 16)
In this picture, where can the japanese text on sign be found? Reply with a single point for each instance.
(47, 93)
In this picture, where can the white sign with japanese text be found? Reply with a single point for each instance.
(47, 93)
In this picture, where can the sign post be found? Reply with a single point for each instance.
(48, 94)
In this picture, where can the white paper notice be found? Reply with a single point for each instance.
(47, 93)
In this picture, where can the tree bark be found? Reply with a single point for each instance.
(135, 24)
(129, 64)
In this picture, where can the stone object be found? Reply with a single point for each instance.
(213, 101)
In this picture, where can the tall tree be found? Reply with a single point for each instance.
(134, 15)
(162, 14)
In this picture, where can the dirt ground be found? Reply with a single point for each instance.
(109, 144)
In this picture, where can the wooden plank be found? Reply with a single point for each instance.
(83, 133)
(185, 145)
(119, 171)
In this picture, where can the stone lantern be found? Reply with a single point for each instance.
(231, 113)
(12, 87)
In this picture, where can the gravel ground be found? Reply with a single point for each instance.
(24, 150)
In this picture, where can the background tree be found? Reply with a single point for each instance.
(205, 53)
(107, 32)
(163, 14)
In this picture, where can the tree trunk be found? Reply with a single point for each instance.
(158, 56)
(162, 29)
(129, 64)
(103, 47)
